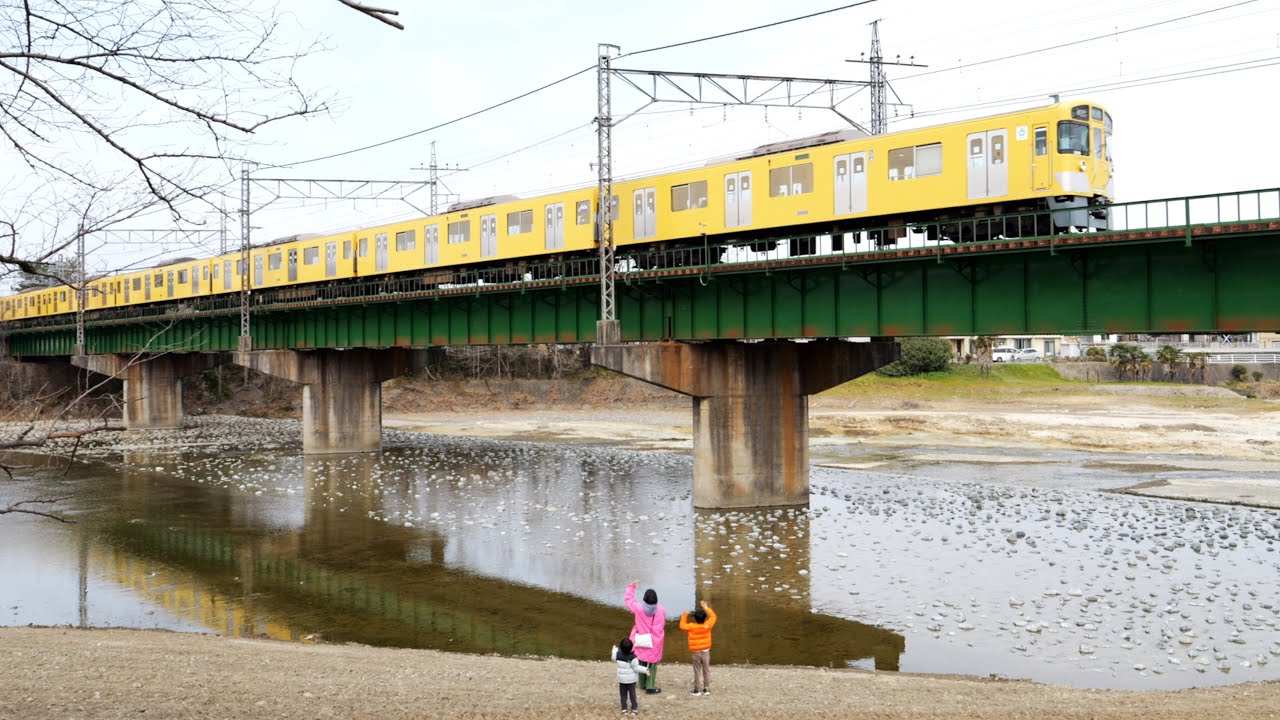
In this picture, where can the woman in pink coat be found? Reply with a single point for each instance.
(651, 618)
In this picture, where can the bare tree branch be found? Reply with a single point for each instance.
(21, 507)
(142, 99)
(376, 13)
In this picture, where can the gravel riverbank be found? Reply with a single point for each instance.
(112, 674)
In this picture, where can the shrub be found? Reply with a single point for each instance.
(1257, 376)
(919, 356)
(1239, 373)
(1096, 353)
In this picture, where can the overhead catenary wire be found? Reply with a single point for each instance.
(438, 126)
(747, 30)
(1104, 36)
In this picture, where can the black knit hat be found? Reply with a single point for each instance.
(651, 597)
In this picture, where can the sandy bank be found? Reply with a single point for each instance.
(66, 673)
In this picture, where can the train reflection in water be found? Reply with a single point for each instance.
(334, 569)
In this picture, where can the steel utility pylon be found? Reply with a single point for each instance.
(880, 87)
(694, 88)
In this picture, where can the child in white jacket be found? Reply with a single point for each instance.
(629, 672)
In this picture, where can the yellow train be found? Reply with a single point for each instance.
(1055, 158)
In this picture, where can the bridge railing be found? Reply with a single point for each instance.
(1196, 210)
(1183, 214)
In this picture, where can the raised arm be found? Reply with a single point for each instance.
(629, 597)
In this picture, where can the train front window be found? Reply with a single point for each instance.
(1073, 138)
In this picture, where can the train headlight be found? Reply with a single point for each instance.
(1083, 165)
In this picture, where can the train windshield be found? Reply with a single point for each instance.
(1073, 138)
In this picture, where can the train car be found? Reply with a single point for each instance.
(1054, 159)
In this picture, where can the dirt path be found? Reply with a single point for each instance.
(109, 674)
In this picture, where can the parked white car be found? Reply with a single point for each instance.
(1003, 354)
(1027, 355)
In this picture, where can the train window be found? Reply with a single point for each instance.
(159, 280)
(406, 240)
(459, 232)
(205, 273)
(902, 163)
(791, 180)
(1073, 138)
(346, 249)
(311, 255)
(584, 212)
(520, 222)
(928, 160)
(1042, 141)
(273, 261)
(240, 268)
(1097, 142)
(62, 296)
(182, 276)
(364, 247)
(1080, 112)
(215, 271)
(1106, 121)
(1097, 113)
(679, 198)
(689, 197)
(137, 283)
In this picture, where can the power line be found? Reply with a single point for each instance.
(447, 123)
(1178, 76)
(1104, 36)
(747, 30)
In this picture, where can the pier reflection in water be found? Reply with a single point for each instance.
(470, 552)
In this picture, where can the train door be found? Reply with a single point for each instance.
(257, 271)
(331, 258)
(195, 281)
(169, 282)
(851, 183)
(1040, 170)
(431, 239)
(147, 287)
(988, 171)
(646, 213)
(127, 283)
(737, 199)
(380, 252)
(293, 265)
(226, 274)
(488, 236)
(554, 230)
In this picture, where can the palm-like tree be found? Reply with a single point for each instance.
(982, 345)
(1198, 364)
(1170, 358)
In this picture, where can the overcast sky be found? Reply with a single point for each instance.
(1172, 137)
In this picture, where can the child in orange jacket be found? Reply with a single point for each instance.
(704, 618)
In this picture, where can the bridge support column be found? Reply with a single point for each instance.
(750, 408)
(152, 383)
(341, 391)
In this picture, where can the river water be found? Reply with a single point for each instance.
(523, 548)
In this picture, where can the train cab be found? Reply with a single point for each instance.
(1079, 168)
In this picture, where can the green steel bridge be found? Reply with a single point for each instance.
(1182, 265)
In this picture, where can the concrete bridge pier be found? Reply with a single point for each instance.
(152, 383)
(750, 407)
(341, 391)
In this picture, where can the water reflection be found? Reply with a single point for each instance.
(753, 568)
(514, 551)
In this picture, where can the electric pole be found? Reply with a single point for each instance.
(880, 87)
(434, 180)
